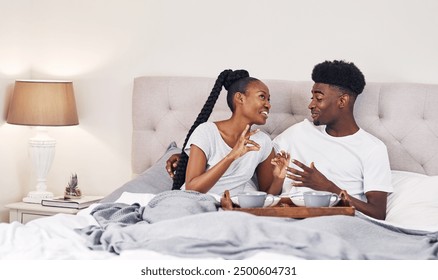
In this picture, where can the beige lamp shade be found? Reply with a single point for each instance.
(43, 103)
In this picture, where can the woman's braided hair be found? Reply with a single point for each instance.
(232, 81)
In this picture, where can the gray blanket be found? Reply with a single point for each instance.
(189, 225)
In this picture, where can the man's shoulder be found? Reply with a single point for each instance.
(294, 132)
(300, 125)
(304, 126)
(371, 139)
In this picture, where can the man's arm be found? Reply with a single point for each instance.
(171, 164)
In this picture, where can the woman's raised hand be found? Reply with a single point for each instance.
(244, 144)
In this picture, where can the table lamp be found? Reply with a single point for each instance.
(42, 104)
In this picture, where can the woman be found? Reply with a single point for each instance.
(224, 155)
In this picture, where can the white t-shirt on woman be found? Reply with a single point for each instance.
(238, 176)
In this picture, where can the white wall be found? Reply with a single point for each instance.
(103, 44)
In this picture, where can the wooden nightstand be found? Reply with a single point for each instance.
(25, 212)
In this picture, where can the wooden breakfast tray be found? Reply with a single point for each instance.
(286, 208)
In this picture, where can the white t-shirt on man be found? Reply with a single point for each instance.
(238, 176)
(357, 163)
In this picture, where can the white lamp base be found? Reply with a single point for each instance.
(42, 151)
(37, 196)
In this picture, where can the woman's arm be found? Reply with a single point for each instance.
(202, 180)
(197, 178)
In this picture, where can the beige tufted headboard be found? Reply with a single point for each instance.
(404, 116)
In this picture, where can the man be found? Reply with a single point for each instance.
(333, 153)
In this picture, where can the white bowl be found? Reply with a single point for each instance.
(298, 200)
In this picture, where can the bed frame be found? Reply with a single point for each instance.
(403, 115)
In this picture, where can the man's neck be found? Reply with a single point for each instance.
(342, 129)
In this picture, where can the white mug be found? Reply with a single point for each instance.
(251, 199)
(319, 199)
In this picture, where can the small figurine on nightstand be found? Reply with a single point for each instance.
(72, 191)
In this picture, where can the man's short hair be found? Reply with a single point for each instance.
(339, 73)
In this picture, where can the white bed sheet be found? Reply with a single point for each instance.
(54, 238)
(51, 237)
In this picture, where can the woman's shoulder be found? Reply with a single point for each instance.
(206, 126)
(204, 136)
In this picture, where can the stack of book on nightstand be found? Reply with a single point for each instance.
(77, 203)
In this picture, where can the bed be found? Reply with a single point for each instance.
(144, 219)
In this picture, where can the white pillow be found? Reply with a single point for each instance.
(414, 202)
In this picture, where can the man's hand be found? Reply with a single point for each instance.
(171, 164)
(308, 177)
